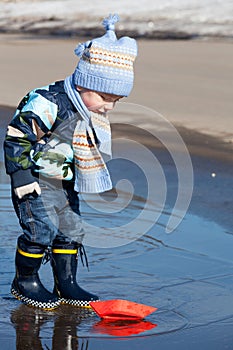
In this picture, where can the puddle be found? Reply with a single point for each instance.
(186, 274)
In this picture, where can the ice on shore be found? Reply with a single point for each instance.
(193, 17)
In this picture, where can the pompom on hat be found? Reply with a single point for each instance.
(106, 63)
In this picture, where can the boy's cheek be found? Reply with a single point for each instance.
(95, 107)
(89, 103)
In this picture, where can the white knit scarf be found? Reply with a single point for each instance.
(91, 173)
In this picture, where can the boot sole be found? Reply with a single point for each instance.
(77, 303)
(35, 303)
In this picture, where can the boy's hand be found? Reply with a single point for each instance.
(21, 191)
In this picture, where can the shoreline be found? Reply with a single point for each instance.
(60, 33)
(198, 144)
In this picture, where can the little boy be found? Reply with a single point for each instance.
(55, 144)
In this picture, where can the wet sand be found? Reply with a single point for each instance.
(186, 274)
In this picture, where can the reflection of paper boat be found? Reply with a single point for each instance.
(122, 328)
(121, 309)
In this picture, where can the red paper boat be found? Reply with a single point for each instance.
(122, 328)
(121, 309)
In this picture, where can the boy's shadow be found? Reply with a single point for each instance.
(28, 323)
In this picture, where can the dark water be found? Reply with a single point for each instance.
(187, 274)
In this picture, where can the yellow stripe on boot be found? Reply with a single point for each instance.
(65, 251)
(29, 255)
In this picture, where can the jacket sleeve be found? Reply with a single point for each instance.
(33, 119)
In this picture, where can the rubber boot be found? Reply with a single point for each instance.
(65, 263)
(26, 285)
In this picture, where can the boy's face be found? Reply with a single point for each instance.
(98, 102)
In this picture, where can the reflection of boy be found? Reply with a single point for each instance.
(59, 135)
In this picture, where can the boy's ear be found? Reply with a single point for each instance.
(78, 88)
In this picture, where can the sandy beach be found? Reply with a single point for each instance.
(189, 82)
(186, 274)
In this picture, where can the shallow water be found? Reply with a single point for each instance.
(186, 274)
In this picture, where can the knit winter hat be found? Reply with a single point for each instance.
(106, 63)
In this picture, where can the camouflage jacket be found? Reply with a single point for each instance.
(39, 116)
